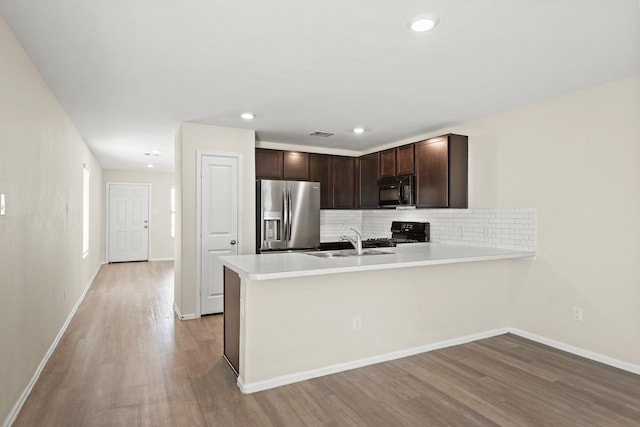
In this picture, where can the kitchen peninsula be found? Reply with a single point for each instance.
(295, 316)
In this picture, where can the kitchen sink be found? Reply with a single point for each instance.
(346, 253)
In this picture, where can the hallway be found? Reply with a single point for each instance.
(126, 360)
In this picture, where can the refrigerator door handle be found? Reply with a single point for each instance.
(290, 213)
(285, 215)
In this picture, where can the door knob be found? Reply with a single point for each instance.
(146, 226)
(233, 242)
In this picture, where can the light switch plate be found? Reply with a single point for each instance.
(2, 209)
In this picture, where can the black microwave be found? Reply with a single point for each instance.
(396, 191)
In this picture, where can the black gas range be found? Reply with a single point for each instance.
(401, 232)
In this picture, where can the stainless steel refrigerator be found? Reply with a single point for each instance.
(287, 215)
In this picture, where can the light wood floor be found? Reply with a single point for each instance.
(126, 361)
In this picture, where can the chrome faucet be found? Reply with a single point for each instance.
(357, 242)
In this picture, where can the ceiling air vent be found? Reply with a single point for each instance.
(322, 134)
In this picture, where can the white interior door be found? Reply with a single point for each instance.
(219, 226)
(128, 222)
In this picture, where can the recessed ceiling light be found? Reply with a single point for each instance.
(358, 130)
(149, 165)
(247, 116)
(423, 23)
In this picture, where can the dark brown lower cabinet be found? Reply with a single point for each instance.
(442, 172)
(232, 319)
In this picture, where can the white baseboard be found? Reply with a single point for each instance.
(25, 393)
(340, 367)
(161, 259)
(588, 354)
(182, 316)
(333, 369)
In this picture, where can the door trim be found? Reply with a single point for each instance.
(106, 236)
(199, 155)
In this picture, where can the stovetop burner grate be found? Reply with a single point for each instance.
(386, 242)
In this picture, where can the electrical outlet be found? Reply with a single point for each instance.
(577, 314)
(357, 323)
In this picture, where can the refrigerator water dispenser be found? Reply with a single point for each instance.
(272, 226)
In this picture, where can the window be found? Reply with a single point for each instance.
(172, 191)
(85, 210)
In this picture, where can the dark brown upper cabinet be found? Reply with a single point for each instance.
(388, 163)
(442, 172)
(278, 164)
(397, 161)
(295, 165)
(368, 180)
(320, 169)
(440, 165)
(269, 163)
(405, 159)
(344, 181)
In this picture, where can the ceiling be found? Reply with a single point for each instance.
(129, 71)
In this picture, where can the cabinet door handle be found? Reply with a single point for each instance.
(233, 242)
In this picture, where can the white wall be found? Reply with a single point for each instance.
(161, 244)
(191, 138)
(293, 327)
(41, 160)
(576, 159)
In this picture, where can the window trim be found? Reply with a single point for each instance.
(172, 211)
(86, 209)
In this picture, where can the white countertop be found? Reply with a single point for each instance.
(297, 264)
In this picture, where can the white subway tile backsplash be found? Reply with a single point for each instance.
(336, 223)
(504, 228)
